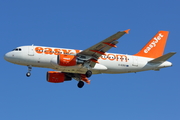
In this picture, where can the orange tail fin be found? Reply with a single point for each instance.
(155, 47)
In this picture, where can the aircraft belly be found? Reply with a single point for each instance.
(75, 69)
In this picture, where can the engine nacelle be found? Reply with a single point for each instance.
(66, 60)
(57, 77)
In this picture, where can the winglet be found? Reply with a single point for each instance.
(127, 31)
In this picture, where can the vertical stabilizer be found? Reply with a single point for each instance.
(155, 47)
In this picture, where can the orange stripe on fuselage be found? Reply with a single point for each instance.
(57, 51)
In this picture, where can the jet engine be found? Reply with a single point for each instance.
(57, 77)
(68, 60)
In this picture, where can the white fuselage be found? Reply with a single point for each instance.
(110, 63)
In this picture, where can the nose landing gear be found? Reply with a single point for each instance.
(28, 74)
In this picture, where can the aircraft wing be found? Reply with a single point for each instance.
(95, 51)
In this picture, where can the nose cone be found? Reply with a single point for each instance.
(8, 56)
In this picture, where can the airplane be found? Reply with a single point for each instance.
(75, 64)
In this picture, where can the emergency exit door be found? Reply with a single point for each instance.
(31, 50)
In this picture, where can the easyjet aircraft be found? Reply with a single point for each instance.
(81, 64)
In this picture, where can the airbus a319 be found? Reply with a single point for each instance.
(75, 64)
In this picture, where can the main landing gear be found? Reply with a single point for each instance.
(80, 84)
(82, 79)
(88, 74)
(28, 74)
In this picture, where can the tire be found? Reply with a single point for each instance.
(88, 73)
(80, 84)
(28, 74)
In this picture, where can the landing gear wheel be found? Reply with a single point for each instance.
(88, 74)
(80, 84)
(28, 74)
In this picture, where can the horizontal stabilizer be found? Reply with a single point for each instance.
(162, 58)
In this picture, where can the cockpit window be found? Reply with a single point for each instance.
(17, 49)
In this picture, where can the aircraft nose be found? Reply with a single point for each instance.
(7, 56)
